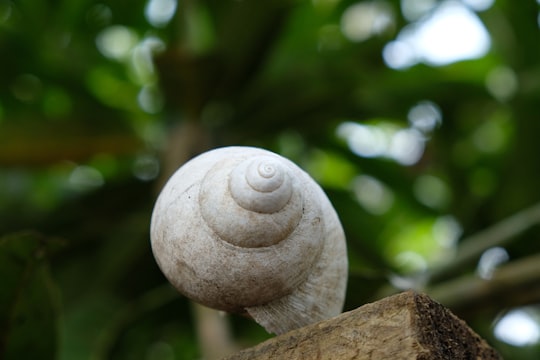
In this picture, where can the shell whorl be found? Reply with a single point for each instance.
(261, 185)
(255, 204)
(242, 229)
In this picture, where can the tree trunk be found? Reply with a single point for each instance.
(403, 326)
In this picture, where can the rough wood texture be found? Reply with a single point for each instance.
(403, 326)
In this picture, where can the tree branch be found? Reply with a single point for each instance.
(514, 284)
(213, 332)
(403, 326)
(500, 234)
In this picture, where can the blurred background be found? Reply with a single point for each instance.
(419, 118)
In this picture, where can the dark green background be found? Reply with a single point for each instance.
(81, 163)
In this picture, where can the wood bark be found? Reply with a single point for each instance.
(404, 326)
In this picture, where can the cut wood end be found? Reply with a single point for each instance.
(403, 326)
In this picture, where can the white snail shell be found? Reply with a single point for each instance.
(242, 229)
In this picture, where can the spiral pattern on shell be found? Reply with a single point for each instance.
(238, 228)
(261, 185)
(262, 202)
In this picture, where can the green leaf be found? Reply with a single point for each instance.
(28, 303)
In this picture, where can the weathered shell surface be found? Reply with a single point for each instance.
(242, 229)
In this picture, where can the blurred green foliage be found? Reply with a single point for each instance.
(102, 100)
(28, 298)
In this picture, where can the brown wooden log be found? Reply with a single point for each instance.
(404, 326)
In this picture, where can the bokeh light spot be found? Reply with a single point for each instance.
(414, 9)
(160, 12)
(407, 146)
(502, 83)
(425, 116)
(432, 191)
(491, 136)
(374, 196)
(451, 32)
(403, 145)
(84, 178)
(150, 99)
(518, 327)
(364, 140)
(146, 167)
(400, 54)
(116, 42)
(478, 5)
(411, 261)
(361, 21)
(490, 260)
(446, 232)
